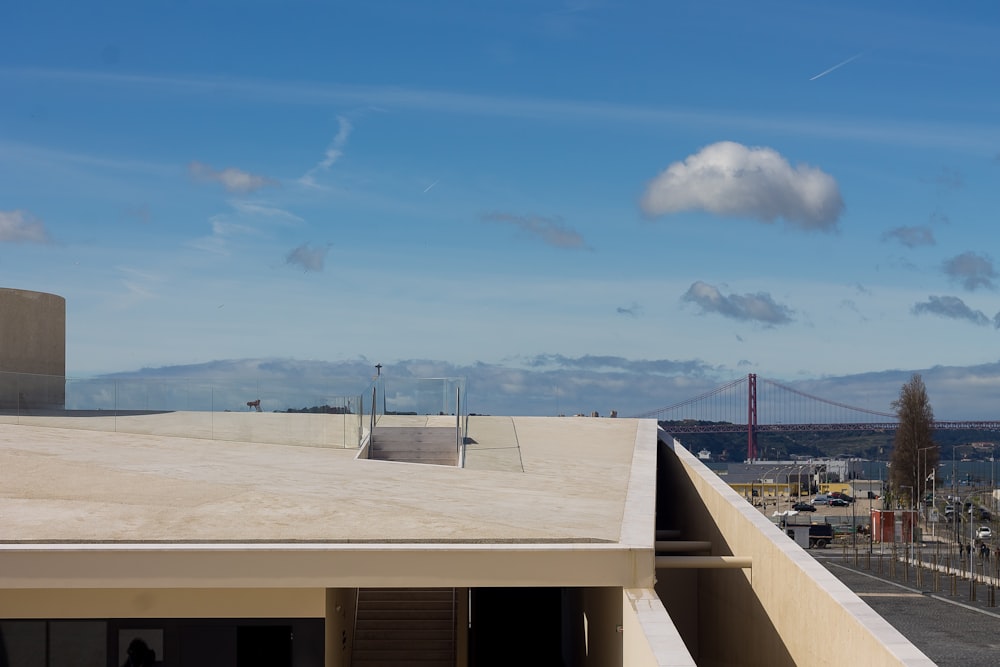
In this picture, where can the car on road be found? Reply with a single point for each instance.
(838, 502)
(804, 507)
(984, 533)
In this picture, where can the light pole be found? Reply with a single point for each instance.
(923, 484)
(905, 486)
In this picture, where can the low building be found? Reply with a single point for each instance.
(575, 541)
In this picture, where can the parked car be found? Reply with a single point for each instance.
(804, 507)
(838, 502)
(984, 533)
(821, 499)
(842, 496)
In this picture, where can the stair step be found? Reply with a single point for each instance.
(396, 620)
(414, 604)
(405, 626)
(404, 654)
(416, 646)
(407, 593)
(404, 634)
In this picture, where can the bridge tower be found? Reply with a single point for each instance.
(751, 416)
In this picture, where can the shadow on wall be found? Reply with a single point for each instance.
(716, 611)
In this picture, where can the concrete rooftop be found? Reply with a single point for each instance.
(527, 480)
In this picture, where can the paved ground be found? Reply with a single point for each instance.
(950, 630)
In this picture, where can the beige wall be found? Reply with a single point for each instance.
(770, 614)
(649, 636)
(162, 603)
(32, 340)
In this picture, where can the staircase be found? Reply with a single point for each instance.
(405, 626)
(436, 445)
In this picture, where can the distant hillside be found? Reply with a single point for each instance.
(862, 444)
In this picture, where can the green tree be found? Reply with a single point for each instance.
(915, 454)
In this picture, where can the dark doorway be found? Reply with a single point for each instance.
(515, 626)
(264, 646)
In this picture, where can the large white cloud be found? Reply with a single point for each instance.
(727, 178)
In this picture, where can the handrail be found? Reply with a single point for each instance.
(459, 440)
(371, 428)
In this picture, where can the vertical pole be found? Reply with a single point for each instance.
(751, 416)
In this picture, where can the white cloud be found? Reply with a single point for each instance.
(759, 307)
(21, 227)
(231, 178)
(333, 152)
(727, 178)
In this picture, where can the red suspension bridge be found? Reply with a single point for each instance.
(736, 407)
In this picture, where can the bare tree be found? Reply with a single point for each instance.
(915, 454)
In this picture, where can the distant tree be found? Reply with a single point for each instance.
(911, 466)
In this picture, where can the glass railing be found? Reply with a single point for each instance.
(253, 410)
(395, 396)
(420, 396)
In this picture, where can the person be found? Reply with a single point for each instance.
(139, 654)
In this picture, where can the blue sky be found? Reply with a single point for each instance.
(800, 190)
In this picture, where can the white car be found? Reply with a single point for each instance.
(984, 533)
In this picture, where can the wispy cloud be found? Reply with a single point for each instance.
(948, 179)
(889, 131)
(971, 270)
(635, 310)
(224, 228)
(727, 178)
(836, 67)
(911, 237)
(333, 153)
(951, 307)
(21, 227)
(759, 307)
(310, 259)
(138, 287)
(612, 363)
(232, 179)
(550, 230)
(264, 210)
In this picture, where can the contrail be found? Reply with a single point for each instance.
(837, 66)
(428, 188)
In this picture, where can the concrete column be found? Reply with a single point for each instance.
(340, 607)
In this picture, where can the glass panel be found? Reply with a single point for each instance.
(271, 411)
(78, 644)
(22, 643)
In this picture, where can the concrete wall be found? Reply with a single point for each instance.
(163, 603)
(649, 636)
(32, 341)
(786, 610)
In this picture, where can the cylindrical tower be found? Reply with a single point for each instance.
(32, 350)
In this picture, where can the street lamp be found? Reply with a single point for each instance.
(905, 486)
(923, 485)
